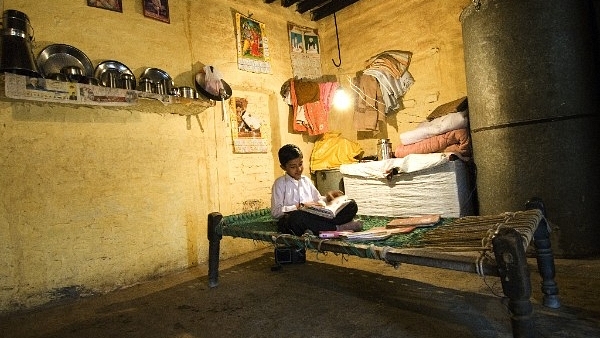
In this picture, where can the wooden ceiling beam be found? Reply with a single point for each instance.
(269, 1)
(288, 3)
(330, 8)
(307, 5)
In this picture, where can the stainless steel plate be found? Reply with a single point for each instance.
(54, 57)
(158, 75)
(101, 72)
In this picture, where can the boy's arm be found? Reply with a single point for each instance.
(278, 207)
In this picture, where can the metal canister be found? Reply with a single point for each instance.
(16, 39)
(384, 149)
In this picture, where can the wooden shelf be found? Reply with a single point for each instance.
(74, 94)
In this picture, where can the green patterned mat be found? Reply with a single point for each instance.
(259, 225)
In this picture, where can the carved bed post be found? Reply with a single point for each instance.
(516, 284)
(214, 247)
(544, 256)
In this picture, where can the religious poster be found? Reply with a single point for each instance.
(252, 45)
(305, 51)
(113, 5)
(246, 126)
(157, 9)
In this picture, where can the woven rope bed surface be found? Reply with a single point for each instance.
(470, 233)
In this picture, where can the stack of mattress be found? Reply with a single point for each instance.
(417, 184)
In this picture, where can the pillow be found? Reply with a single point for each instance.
(450, 107)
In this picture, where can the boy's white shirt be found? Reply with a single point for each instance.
(288, 192)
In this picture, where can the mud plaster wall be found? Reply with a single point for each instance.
(431, 30)
(93, 199)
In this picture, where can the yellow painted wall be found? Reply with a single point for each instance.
(431, 30)
(93, 199)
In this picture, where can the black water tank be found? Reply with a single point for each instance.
(534, 100)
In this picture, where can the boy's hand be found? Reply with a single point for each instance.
(333, 194)
(311, 204)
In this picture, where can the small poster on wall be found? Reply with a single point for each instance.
(157, 9)
(246, 127)
(305, 51)
(113, 5)
(252, 45)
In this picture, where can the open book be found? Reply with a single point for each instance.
(418, 221)
(329, 210)
(376, 234)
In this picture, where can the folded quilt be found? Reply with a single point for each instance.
(455, 141)
(438, 126)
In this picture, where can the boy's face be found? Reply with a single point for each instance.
(294, 168)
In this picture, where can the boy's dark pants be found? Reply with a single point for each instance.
(298, 221)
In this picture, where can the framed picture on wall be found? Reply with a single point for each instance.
(157, 9)
(113, 5)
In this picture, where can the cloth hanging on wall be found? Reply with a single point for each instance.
(381, 87)
(310, 101)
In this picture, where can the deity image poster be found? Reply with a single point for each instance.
(252, 45)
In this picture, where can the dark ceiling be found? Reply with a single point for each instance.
(319, 9)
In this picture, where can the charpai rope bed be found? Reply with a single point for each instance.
(493, 245)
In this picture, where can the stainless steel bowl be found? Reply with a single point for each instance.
(146, 85)
(57, 77)
(89, 80)
(73, 73)
(187, 92)
(127, 81)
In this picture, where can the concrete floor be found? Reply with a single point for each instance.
(329, 296)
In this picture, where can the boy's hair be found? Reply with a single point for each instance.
(288, 152)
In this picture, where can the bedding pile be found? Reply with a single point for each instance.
(446, 130)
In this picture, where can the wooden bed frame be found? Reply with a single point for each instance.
(508, 242)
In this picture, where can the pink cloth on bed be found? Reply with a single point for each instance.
(455, 141)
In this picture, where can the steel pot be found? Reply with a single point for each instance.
(187, 92)
(73, 73)
(146, 85)
(127, 81)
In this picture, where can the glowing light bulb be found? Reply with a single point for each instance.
(341, 99)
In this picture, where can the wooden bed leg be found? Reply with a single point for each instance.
(516, 283)
(545, 258)
(214, 247)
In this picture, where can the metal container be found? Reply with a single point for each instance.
(146, 85)
(73, 73)
(127, 81)
(89, 80)
(384, 149)
(187, 92)
(16, 55)
(114, 78)
(533, 112)
(159, 88)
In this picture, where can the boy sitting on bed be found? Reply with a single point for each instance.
(293, 191)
